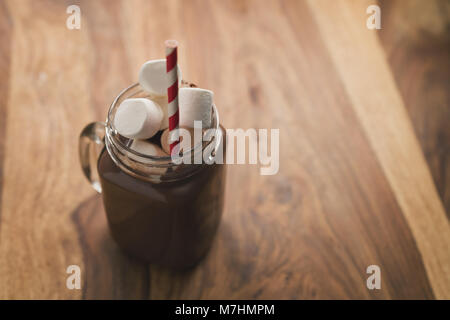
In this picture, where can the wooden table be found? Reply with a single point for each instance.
(354, 188)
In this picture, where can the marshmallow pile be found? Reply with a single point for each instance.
(141, 119)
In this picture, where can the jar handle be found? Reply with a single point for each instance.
(91, 143)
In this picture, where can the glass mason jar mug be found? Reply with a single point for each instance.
(157, 210)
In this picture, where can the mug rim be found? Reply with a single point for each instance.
(112, 133)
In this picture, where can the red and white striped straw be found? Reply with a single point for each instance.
(172, 92)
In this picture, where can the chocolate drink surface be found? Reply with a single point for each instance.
(171, 223)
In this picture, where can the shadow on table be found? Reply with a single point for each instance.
(108, 273)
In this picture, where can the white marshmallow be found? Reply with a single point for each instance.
(138, 118)
(152, 77)
(163, 103)
(195, 104)
(151, 149)
(147, 148)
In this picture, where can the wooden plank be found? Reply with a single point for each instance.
(419, 57)
(381, 111)
(5, 62)
(47, 107)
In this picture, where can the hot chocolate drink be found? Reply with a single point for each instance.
(169, 223)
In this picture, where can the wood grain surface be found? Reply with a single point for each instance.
(419, 56)
(364, 141)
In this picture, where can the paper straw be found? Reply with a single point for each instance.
(172, 92)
